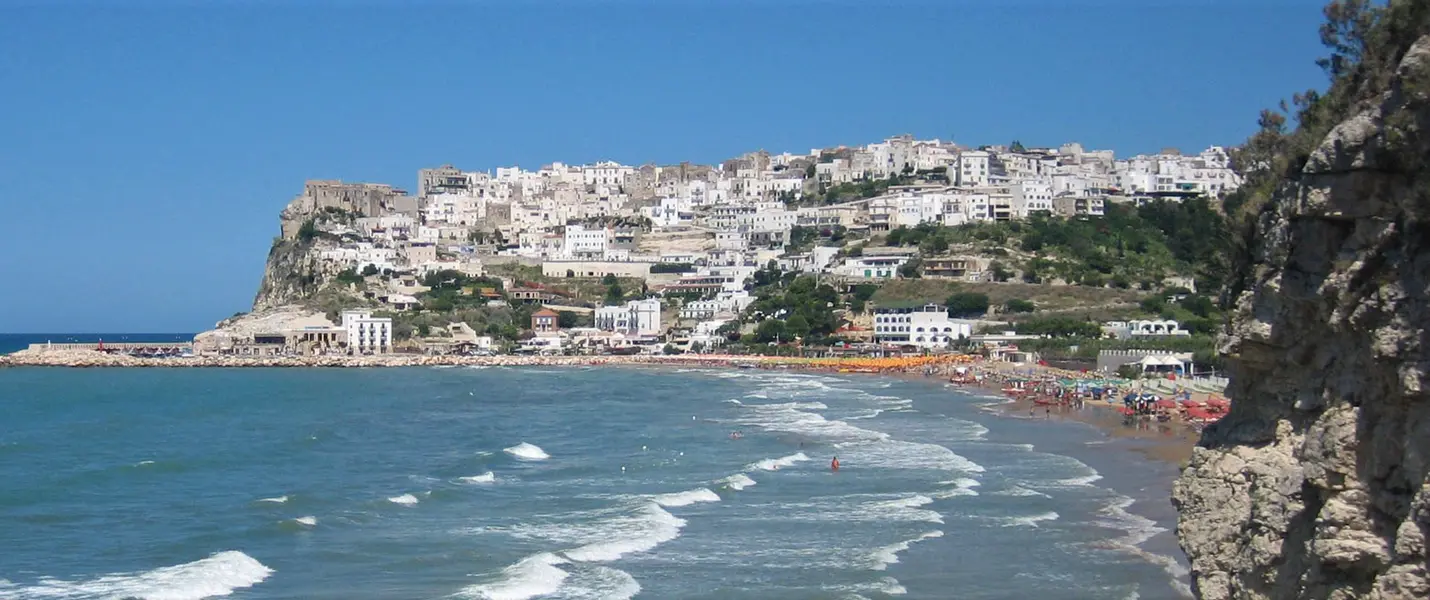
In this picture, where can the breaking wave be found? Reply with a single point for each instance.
(525, 451)
(218, 575)
(488, 477)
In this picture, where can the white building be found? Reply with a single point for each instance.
(580, 242)
(367, 334)
(882, 266)
(1032, 196)
(973, 168)
(926, 326)
(635, 318)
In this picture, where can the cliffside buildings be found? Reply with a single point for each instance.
(700, 231)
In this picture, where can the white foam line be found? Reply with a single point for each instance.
(959, 487)
(487, 477)
(533, 576)
(1030, 521)
(737, 482)
(687, 498)
(883, 557)
(775, 464)
(218, 575)
(655, 526)
(525, 451)
(1139, 529)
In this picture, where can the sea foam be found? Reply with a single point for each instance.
(775, 464)
(309, 521)
(687, 498)
(405, 500)
(648, 528)
(525, 451)
(738, 481)
(1030, 521)
(883, 557)
(275, 499)
(217, 575)
(600, 583)
(487, 477)
(533, 576)
(958, 487)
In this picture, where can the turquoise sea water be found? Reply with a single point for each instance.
(516, 483)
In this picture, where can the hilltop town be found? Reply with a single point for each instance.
(904, 242)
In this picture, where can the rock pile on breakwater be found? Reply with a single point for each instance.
(92, 358)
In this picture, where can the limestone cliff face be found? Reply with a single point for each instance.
(292, 272)
(1315, 485)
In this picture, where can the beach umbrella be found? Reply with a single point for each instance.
(1166, 404)
(1190, 403)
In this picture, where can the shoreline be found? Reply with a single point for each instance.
(1171, 442)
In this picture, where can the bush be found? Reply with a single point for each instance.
(1060, 327)
(349, 276)
(369, 270)
(609, 279)
(308, 231)
(966, 304)
(1200, 306)
(1153, 304)
(1018, 305)
(668, 268)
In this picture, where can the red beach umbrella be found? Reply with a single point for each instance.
(1165, 403)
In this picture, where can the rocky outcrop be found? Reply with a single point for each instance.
(1314, 486)
(291, 274)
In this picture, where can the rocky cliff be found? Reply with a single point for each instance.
(1315, 485)
(293, 273)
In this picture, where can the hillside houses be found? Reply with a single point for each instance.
(700, 231)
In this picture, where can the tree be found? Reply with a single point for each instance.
(910, 269)
(369, 270)
(614, 294)
(809, 171)
(967, 304)
(1153, 304)
(1017, 305)
(609, 279)
(999, 272)
(1016, 146)
(771, 330)
(567, 319)
(797, 326)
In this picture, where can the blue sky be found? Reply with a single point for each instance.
(145, 151)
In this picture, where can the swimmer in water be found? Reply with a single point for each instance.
(834, 465)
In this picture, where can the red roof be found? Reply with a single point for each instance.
(545, 312)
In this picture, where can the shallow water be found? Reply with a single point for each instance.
(509, 483)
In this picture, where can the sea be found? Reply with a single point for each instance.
(515, 483)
